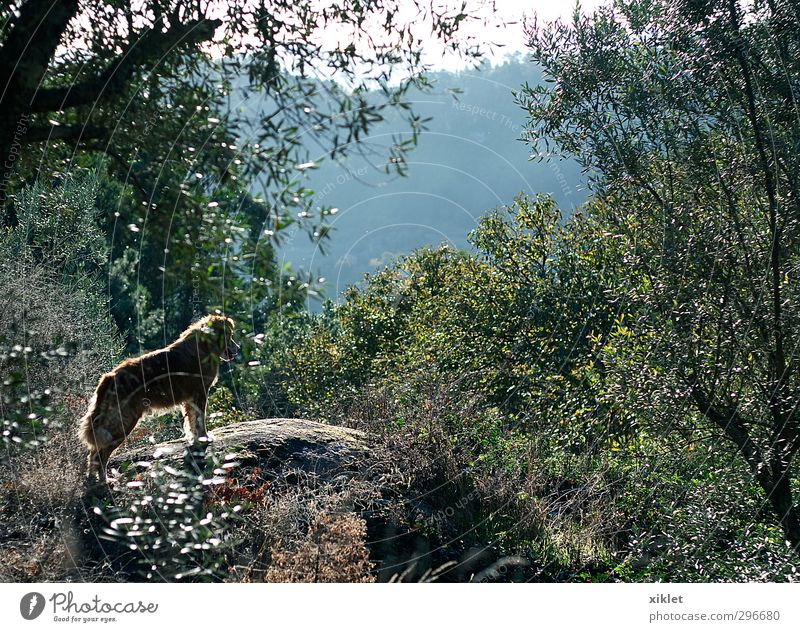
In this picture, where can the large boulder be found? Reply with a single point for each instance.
(302, 463)
(275, 445)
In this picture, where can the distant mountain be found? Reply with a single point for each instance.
(468, 161)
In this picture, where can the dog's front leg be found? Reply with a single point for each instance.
(194, 413)
(200, 419)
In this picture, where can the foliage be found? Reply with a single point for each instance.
(154, 87)
(604, 395)
(705, 530)
(222, 409)
(518, 371)
(24, 412)
(173, 532)
(54, 330)
(531, 305)
(677, 110)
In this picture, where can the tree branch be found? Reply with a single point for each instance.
(27, 50)
(44, 133)
(124, 164)
(143, 52)
(734, 427)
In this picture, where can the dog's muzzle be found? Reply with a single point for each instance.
(231, 349)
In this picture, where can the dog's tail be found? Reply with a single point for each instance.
(93, 436)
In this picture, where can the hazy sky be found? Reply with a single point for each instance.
(514, 13)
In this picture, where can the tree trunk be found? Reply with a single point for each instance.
(780, 496)
(12, 135)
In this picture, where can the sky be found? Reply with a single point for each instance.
(509, 17)
(491, 22)
(514, 13)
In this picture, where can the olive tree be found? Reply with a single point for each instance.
(684, 115)
(156, 87)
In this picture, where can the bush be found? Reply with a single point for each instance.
(169, 526)
(512, 394)
(334, 550)
(55, 340)
(55, 333)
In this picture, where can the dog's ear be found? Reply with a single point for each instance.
(208, 325)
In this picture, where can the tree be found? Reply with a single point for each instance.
(684, 115)
(55, 330)
(155, 85)
(78, 71)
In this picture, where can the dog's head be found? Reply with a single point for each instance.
(219, 329)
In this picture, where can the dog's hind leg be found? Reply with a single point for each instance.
(103, 455)
(93, 468)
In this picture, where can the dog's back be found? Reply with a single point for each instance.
(171, 375)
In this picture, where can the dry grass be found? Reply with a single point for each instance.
(333, 550)
(303, 527)
(475, 511)
(40, 502)
(416, 507)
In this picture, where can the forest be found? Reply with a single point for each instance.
(537, 320)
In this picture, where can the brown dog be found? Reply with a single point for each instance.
(180, 374)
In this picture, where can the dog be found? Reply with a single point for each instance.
(180, 374)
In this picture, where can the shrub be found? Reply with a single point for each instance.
(515, 392)
(169, 526)
(55, 340)
(333, 550)
(55, 333)
(222, 409)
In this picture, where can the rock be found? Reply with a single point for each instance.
(305, 467)
(279, 445)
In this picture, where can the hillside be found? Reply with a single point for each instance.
(469, 159)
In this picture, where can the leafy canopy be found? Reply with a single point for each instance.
(684, 113)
